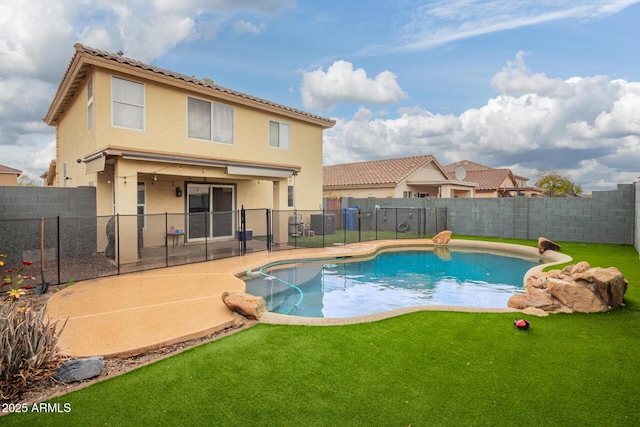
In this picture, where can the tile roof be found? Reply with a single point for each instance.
(377, 172)
(55, 111)
(8, 170)
(468, 165)
(487, 179)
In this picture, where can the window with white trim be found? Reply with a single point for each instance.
(127, 104)
(279, 135)
(210, 121)
(90, 104)
(407, 194)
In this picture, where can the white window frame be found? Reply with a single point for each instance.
(212, 119)
(90, 114)
(115, 102)
(283, 144)
(407, 195)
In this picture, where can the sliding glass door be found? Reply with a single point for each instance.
(210, 210)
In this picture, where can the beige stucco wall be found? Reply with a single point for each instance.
(166, 132)
(385, 192)
(486, 195)
(8, 180)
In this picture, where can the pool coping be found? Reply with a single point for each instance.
(119, 316)
(471, 245)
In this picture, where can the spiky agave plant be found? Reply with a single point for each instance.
(27, 344)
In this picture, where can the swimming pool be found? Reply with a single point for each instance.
(348, 287)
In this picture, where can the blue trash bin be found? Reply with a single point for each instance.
(351, 218)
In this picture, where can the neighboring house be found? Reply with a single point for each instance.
(9, 176)
(407, 177)
(154, 141)
(491, 182)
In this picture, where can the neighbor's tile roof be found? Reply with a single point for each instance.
(70, 83)
(467, 165)
(8, 170)
(487, 179)
(378, 172)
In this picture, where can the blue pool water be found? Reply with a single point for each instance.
(346, 288)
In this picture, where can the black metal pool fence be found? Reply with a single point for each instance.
(66, 249)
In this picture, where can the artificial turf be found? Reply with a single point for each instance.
(426, 368)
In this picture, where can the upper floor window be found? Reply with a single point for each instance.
(210, 121)
(90, 104)
(127, 104)
(279, 135)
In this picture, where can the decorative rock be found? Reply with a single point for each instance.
(442, 238)
(248, 305)
(539, 300)
(610, 283)
(578, 297)
(546, 244)
(79, 369)
(577, 287)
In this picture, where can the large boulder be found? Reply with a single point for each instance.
(576, 287)
(250, 306)
(539, 300)
(442, 238)
(610, 284)
(576, 296)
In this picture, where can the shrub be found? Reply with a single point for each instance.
(27, 346)
(15, 280)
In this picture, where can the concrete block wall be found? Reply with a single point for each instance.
(606, 217)
(21, 208)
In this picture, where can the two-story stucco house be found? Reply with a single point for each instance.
(154, 141)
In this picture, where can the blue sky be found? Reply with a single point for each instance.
(528, 85)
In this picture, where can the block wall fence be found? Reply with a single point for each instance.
(69, 215)
(605, 217)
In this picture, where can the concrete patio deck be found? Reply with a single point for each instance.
(132, 313)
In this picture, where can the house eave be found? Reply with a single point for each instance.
(459, 183)
(358, 187)
(83, 62)
(268, 169)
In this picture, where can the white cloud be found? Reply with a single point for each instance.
(440, 22)
(587, 128)
(188, 7)
(23, 102)
(31, 37)
(36, 44)
(341, 83)
(515, 79)
(242, 26)
(34, 33)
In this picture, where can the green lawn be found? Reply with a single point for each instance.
(421, 369)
